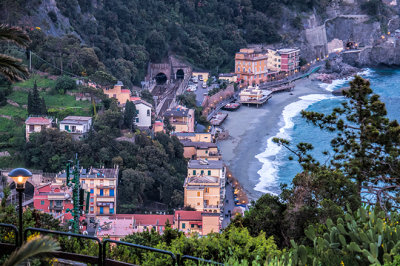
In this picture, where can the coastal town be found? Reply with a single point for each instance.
(212, 195)
(199, 132)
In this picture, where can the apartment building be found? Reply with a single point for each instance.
(102, 185)
(286, 60)
(204, 187)
(181, 118)
(251, 67)
(199, 222)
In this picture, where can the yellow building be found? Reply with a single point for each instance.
(200, 150)
(274, 60)
(181, 118)
(102, 185)
(230, 77)
(204, 187)
(194, 136)
(36, 125)
(118, 92)
(201, 76)
(196, 222)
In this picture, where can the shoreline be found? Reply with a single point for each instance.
(250, 128)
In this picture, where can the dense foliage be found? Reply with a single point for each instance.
(121, 36)
(36, 104)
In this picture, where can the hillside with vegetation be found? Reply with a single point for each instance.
(121, 36)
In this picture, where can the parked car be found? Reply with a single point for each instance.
(204, 85)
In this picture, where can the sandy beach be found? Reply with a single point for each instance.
(250, 128)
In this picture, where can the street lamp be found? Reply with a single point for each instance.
(20, 176)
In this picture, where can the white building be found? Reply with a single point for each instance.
(76, 125)
(143, 117)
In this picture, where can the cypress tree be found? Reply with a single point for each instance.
(129, 114)
(36, 104)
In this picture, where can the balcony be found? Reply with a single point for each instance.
(56, 208)
(105, 186)
(105, 198)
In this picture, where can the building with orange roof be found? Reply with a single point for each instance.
(35, 124)
(199, 222)
(158, 126)
(118, 92)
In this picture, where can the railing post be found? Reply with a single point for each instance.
(179, 259)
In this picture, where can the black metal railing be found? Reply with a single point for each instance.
(102, 258)
(70, 255)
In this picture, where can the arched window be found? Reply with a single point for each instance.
(238, 69)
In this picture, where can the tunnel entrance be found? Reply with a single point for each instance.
(180, 74)
(161, 79)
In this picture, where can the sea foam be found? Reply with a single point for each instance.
(270, 167)
(338, 83)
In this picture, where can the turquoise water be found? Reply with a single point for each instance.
(385, 82)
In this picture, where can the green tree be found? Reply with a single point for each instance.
(64, 84)
(367, 144)
(129, 114)
(36, 104)
(103, 78)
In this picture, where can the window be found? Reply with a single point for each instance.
(31, 128)
(198, 203)
(148, 112)
(194, 172)
(101, 192)
(238, 69)
(198, 194)
(206, 152)
(101, 210)
(91, 191)
(209, 172)
(91, 182)
(91, 200)
(111, 182)
(112, 192)
(207, 190)
(42, 202)
(137, 119)
(192, 225)
(66, 128)
(73, 128)
(91, 209)
(202, 172)
(183, 225)
(111, 210)
(115, 95)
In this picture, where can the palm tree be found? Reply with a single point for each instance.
(11, 67)
(34, 247)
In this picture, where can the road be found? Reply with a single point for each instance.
(229, 204)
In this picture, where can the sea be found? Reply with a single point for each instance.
(277, 168)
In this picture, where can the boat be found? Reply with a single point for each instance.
(231, 106)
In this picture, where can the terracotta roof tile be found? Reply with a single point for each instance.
(38, 120)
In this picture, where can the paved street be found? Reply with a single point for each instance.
(228, 206)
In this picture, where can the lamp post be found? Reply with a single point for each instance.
(20, 176)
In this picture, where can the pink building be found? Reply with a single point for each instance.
(54, 199)
(290, 59)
